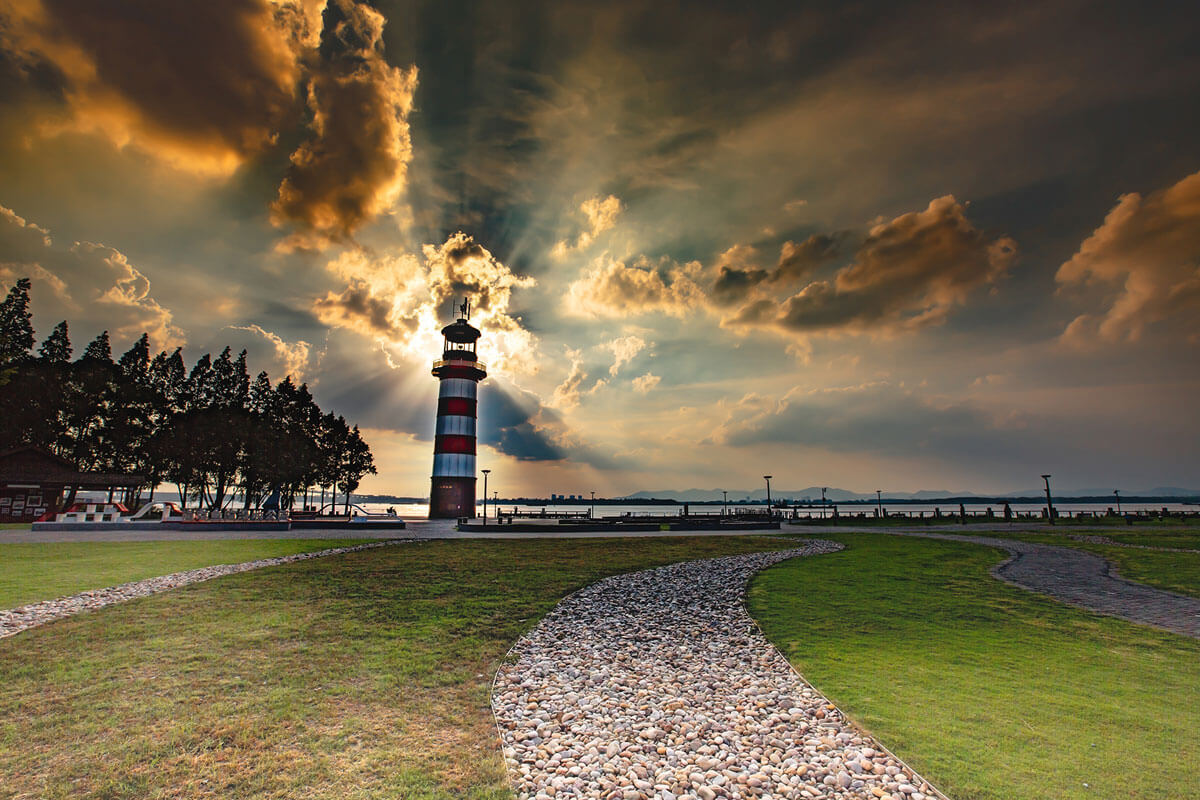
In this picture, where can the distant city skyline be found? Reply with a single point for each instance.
(906, 245)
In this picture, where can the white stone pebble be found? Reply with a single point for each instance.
(657, 685)
(15, 620)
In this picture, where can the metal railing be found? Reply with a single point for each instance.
(459, 362)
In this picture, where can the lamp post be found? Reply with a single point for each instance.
(1117, 494)
(1049, 501)
(485, 476)
(823, 490)
(879, 501)
(770, 514)
(592, 513)
(724, 503)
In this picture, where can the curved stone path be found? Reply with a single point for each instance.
(1086, 580)
(22, 618)
(658, 684)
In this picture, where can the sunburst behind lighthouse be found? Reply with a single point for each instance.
(459, 371)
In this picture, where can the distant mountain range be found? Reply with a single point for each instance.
(845, 495)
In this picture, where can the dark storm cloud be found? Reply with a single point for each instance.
(510, 421)
(209, 80)
(354, 166)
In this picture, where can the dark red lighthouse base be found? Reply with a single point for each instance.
(451, 498)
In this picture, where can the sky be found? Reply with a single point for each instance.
(855, 244)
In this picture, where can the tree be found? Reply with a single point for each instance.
(355, 462)
(57, 347)
(99, 349)
(16, 325)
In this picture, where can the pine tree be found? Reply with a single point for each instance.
(136, 362)
(57, 347)
(16, 325)
(99, 349)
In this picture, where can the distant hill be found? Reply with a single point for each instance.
(813, 493)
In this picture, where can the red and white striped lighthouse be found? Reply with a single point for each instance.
(452, 493)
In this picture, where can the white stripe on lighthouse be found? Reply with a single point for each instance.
(455, 425)
(453, 465)
(458, 387)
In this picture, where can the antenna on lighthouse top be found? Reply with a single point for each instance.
(465, 308)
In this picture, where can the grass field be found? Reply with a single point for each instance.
(358, 676)
(989, 691)
(32, 572)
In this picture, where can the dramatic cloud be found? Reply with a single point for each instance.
(624, 350)
(404, 301)
(354, 166)
(738, 274)
(609, 288)
(1150, 248)
(293, 357)
(566, 394)
(87, 283)
(601, 215)
(516, 423)
(906, 274)
(202, 84)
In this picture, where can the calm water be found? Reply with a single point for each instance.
(422, 510)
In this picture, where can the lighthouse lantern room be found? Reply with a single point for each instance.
(459, 371)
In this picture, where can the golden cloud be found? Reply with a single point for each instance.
(354, 166)
(404, 301)
(609, 288)
(601, 215)
(1150, 247)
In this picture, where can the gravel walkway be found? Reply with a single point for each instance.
(1089, 581)
(658, 684)
(15, 620)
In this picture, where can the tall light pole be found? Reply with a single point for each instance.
(879, 501)
(768, 480)
(1049, 501)
(823, 490)
(1117, 494)
(724, 503)
(485, 476)
(592, 513)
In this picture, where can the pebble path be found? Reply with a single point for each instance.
(15, 620)
(1089, 581)
(659, 685)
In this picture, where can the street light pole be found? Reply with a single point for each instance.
(724, 503)
(770, 513)
(823, 490)
(592, 513)
(485, 476)
(1049, 501)
(879, 501)
(1117, 492)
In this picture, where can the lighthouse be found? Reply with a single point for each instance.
(459, 371)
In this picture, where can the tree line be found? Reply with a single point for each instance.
(212, 430)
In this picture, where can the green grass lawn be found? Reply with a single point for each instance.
(989, 691)
(358, 676)
(32, 572)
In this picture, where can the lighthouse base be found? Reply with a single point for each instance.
(451, 498)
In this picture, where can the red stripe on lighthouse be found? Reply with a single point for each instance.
(448, 443)
(455, 406)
